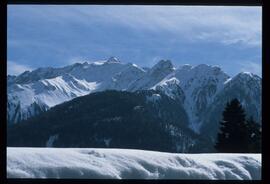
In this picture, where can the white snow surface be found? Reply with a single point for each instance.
(95, 163)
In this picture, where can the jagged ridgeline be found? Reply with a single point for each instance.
(199, 94)
(113, 119)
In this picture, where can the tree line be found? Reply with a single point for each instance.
(238, 134)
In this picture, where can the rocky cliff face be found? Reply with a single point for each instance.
(202, 91)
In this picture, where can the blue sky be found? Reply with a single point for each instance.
(57, 35)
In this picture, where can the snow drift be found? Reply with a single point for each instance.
(129, 164)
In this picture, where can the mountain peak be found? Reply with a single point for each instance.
(163, 65)
(247, 76)
(113, 60)
(85, 63)
(185, 67)
(203, 67)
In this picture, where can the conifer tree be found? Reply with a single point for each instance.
(233, 135)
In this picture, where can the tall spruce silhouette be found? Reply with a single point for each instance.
(233, 136)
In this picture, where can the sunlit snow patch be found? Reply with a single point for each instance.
(129, 164)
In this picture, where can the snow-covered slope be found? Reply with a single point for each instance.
(123, 79)
(129, 164)
(33, 92)
(44, 93)
(200, 84)
(246, 87)
(199, 88)
(153, 76)
(196, 87)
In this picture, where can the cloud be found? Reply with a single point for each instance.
(56, 35)
(252, 67)
(227, 25)
(14, 68)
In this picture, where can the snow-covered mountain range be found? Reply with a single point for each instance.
(203, 90)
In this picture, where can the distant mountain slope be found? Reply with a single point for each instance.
(36, 91)
(247, 88)
(200, 84)
(202, 90)
(153, 76)
(113, 119)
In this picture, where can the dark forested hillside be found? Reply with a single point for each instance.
(114, 119)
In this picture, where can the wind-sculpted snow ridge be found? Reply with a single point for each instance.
(129, 164)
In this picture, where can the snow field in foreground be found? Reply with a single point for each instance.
(94, 163)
